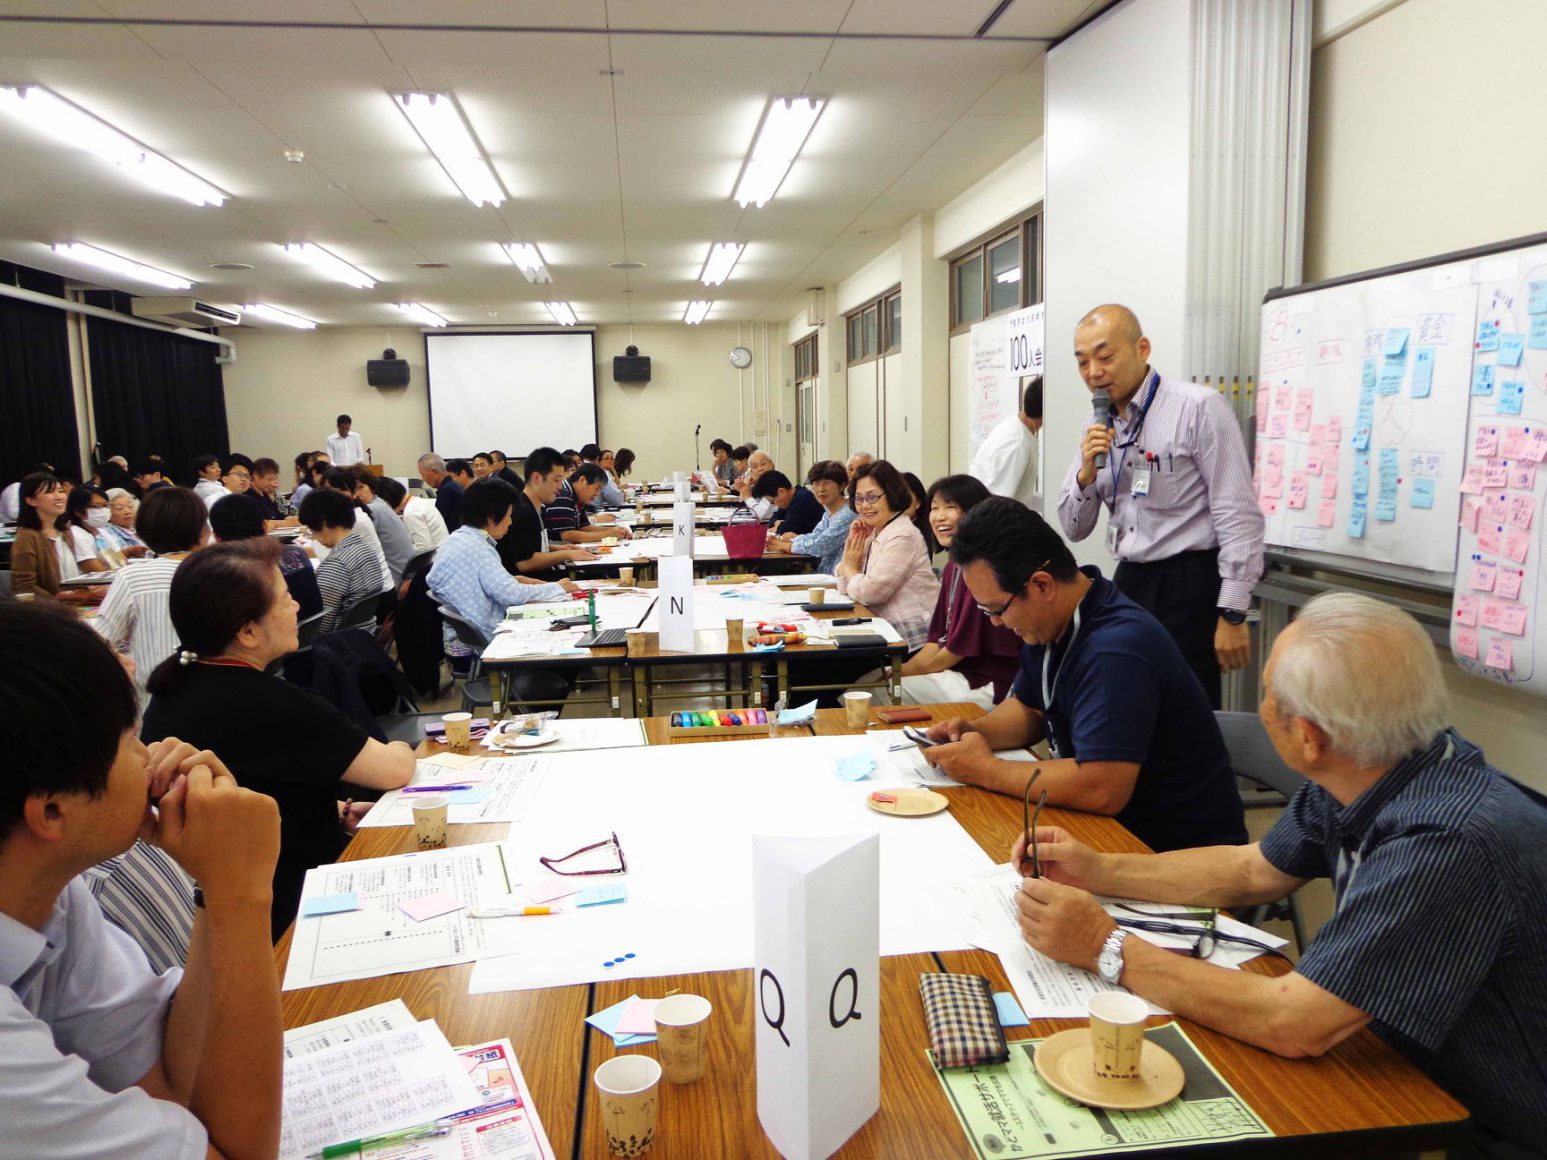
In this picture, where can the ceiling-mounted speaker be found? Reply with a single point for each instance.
(816, 306)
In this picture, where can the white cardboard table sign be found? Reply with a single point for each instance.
(675, 580)
(817, 981)
(682, 529)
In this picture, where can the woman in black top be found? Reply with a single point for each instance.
(234, 617)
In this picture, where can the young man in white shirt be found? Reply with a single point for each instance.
(1007, 460)
(346, 447)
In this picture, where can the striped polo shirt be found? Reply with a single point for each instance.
(134, 616)
(1440, 929)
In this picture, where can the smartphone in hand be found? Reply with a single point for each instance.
(918, 737)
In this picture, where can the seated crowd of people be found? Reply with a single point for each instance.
(254, 778)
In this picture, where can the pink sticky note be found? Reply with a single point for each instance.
(1472, 481)
(638, 1017)
(1484, 572)
(1466, 642)
(1269, 506)
(1501, 655)
(548, 891)
(1490, 537)
(1272, 474)
(1329, 485)
(1334, 430)
(1276, 458)
(1471, 508)
(1278, 426)
(1299, 490)
(1521, 509)
(1466, 610)
(1496, 473)
(1313, 463)
(1514, 442)
(1538, 449)
(1495, 508)
(1516, 545)
(1319, 435)
(1486, 442)
(1282, 398)
(430, 906)
(1490, 613)
(1512, 619)
(1522, 474)
(1326, 513)
(1508, 582)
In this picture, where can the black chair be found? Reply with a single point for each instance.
(476, 688)
(1253, 757)
(306, 632)
(405, 723)
(358, 613)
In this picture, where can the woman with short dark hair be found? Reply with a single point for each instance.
(885, 565)
(233, 519)
(354, 568)
(41, 555)
(86, 512)
(234, 617)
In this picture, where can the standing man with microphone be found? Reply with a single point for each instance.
(1167, 460)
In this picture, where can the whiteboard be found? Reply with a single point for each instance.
(510, 391)
(1004, 352)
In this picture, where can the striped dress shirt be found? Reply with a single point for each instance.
(134, 617)
(1440, 928)
(353, 569)
(1200, 486)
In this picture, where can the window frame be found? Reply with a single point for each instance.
(877, 312)
(807, 360)
(1028, 234)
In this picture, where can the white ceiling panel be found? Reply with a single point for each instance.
(275, 11)
(743, 15)
(722, 55)
(918, 17)
(20, 43)
(534, 50)
(930, 59)
(487, 13)
(316, 47)
(1044, 17)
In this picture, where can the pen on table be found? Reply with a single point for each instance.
(355, 1147)
(435, 788)
(515, 911)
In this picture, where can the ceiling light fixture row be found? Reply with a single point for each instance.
(781, 134)
(274, 314)
(421, 314)
(72, 125)
(696, 312)
(330, 265)
(125, 267)
(561, 313)
(529, 260)
(445, 131)
(722, 259)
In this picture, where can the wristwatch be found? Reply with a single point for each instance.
(1231, 615)
(1109, 963)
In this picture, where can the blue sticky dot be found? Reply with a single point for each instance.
(629, 955)
(608, 963)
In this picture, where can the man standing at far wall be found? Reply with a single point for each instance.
(346, 448)
(1184, 522)
(1007, 460)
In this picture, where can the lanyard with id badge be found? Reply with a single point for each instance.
(1140, 487)
(1049, 689)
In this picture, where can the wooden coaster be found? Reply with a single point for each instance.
(1064, 1063)
(910, 803)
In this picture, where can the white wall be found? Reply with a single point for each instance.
(287, 386)
(878, 275)
(1003, 196)
(1425, 137)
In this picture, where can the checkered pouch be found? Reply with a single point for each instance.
(964, 1026)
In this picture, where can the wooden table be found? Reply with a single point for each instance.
(1361, 1098)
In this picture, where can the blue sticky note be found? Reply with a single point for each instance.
(1396, 341)
(1386, 508)
(1488, 335)
(768, 647)
(466, 797)
(1391, 372)
(1423, 494)
(1511, 347)
(1360, 440)
(607, 1022)
(1362, 475)
(329, 904)
(1537, 339)
(1010, 1013)
(799, 715)
(1537, 302)
(1356, 517)
(1367, 375)
(1482, 380)
(855, 767)
(1423, 373)
(1512, 398)
(602, 895)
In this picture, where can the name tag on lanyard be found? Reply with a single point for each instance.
(1141, 483)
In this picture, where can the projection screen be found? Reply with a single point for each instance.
(510, 391)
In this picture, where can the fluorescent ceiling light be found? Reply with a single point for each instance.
(274, 314)
(126, 267)
(330, 265)
(721, 261)
(696, 312)
(1009, 276)
(443, 128)
(421, 314)
(74, 126)
(529, 260)
(786, 125)
(562, 314)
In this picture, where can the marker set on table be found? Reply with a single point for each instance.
(712, 719)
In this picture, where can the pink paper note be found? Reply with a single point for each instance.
(1282, 398)
(1472, 481)
(1486, 442)
(1490, 537)
(1329, 485)
(1466, 642)
(1496, 473)
(1490, 613)
(1334, 430)
(1276, 458)
(1538, 449)
(1513, 619)
(1484, 572)
(1271, 487)
(1269, 507)
(1514, 442)
(1313, 463)
(1326, 513)
(1471, 507)
(1516, 545)
(1466, 611)
(1495, 509)
(1501, 655)
(638, 1017)
(1319, 435)
(1299, 490)
(1278, 426)
(1521, 509)
(548, 891)
(1522, 474)
(430, 906)
(1508, 582)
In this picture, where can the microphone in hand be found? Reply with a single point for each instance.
(1101, 406)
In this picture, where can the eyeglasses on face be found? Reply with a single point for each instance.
(868, 499)
(606, 844)
(993, 613)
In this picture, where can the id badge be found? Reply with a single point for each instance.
(1114, 534)
(1141, 483)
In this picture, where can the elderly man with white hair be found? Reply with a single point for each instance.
(856, 461)
(1438, 862)
(759, 464)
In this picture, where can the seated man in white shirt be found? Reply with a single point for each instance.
(346, 448)
(1006, 461)
(426, 526)
(100, 1056)
(206, 478)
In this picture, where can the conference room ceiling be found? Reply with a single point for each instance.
(618, 128)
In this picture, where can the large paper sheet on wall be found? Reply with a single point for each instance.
(1004, 351)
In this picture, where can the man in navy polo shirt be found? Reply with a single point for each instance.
(1132, 732)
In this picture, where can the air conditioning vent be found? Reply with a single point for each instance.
(184, 312)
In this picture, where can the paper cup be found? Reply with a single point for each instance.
(1117, 1034)
(736, 634)
(816, 596)
(628, 1087)
(459, 732)
(636, 639)
(856, 707)
(430, 818)
(626, 575)
(682, 1030)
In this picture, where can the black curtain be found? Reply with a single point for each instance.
(154, 393)
(37, 399)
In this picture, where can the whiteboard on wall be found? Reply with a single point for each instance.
(510, 391)
(1004, 352)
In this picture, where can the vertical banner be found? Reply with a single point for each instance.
(675, 602)
(817, 987)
